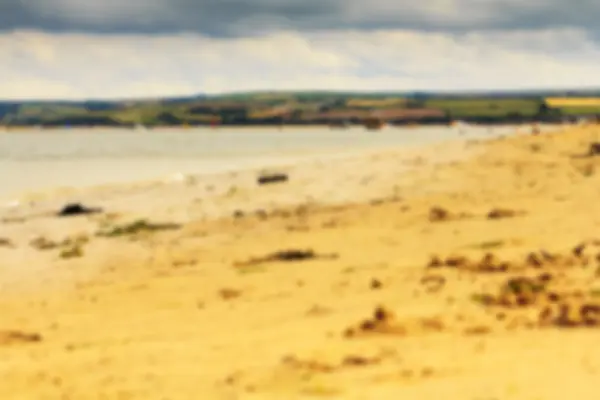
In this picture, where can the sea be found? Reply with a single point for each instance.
(35, 160)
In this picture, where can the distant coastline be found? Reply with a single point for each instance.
(337, 110)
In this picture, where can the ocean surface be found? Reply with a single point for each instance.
(39, 160)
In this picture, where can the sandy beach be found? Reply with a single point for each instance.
(462, 270)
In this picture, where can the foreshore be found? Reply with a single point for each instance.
(458, 270)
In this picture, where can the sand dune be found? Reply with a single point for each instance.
(386, 276)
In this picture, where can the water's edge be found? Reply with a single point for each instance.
(31, 169)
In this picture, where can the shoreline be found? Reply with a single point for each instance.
(253, 168)
(274, 127)
(220, 182)
(248, 162)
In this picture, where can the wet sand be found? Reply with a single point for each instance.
(381, 276)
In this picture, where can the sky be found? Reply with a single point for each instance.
(103, 49)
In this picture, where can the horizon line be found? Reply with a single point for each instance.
(444, 92)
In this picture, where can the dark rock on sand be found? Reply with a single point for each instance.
(74, 209)
(272, 178)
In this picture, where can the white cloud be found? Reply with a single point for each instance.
(43, 65)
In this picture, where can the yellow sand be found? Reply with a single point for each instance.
(172, 315)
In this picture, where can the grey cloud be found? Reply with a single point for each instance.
(243, 17)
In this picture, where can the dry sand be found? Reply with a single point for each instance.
(463, 280)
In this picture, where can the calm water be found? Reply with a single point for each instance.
(39, 160)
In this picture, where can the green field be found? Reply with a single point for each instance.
(459, 108)
(268, 107)
(575, 111)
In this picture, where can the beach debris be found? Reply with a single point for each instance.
(521, 291)
(381, 321)
(477, 330)
(5, 242)
(578, 251)
(136, 227)
(489, 244)
(229, 294)
(306, 371)
(384, 322)
(570, 314)
(262, 214)
(436, 262)
(534, 259)
(588, 170)
(43, 243)
(302, 210)
(517, 298)
(11, 337)
(433, 283)
(376, 284)
(491, 263)
(74, 250)
(265, 179)
(500, 213)
(544, 258)
(457, 261)
(437, 214)
(488, 263)
(351, 360)
(290, 255)
(536, 147)
(450, 261)
(594, 149)
(309, 365)
(359, 361)
(71, 247)
(238, 214)
(298, 228)
(74, 209)
(538, 260)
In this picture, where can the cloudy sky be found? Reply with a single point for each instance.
(75, 49)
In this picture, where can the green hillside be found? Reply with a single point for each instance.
(284, 107)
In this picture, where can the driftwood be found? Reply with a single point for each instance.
(272, 178)
(290, 255)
